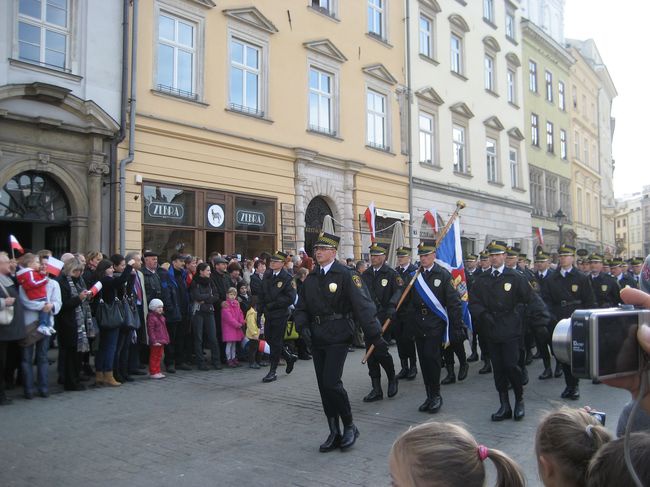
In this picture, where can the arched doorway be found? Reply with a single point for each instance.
(314, 216)
(34, 208)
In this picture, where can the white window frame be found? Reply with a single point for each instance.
(461, 166)
(492, 159)
(576, 145)
(377, 9)
(515, 167)
(532, 76)
(332, 97)
(177, 47)
(548, 79)
(457, 64)
(427, 139)
(511, 81)
(425, 38)
(550, 137)
(534, 129)
(488, 11)
(373, 116)
(563, 145)
(510, 23)
(257, 72)
(330, 9)
(489, 70)
(561, 95)
(43, 25)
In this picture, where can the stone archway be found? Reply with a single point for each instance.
(315, 214)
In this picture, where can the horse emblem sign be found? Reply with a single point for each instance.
(215, 216)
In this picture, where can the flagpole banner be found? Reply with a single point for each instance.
(431, 217)
(450, 256)
(540, 236)
(370, 218)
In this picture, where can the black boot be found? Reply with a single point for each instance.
(350, 434)
(290, 359)
(450, 378)
(413, 370)
(392, 385)
(462, 371)
(571, 392)
(519, 412)
(486, 369)
(436, 401)
(333, 441)
(558, 369)
(424, 407)
(504, 412)
(376, 394)
(474, 356)
(403, 374)
(271, 376)
(548, 372)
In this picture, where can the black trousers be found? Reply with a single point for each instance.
(505, 365)
(121, 361)
(203, 326)
(405, 340)
(429, 347)
(71, 364)
(274, 330)
(170, 348)
(542, 341)
(482, 333)
(385, 360)
(455, 348)
(328, 364)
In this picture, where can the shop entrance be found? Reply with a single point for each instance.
(314, 216)
(34, 209)
(214, 242)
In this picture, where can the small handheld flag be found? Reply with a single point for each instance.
(15, 244)
(96, 288)
(370, 218)
(54, 266)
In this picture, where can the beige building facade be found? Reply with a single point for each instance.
(254, 122)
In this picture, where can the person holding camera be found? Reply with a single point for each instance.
(569, 290)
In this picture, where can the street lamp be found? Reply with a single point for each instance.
(560, 218)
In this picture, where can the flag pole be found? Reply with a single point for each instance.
(459, 206)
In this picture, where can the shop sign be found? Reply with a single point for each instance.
(216, 216)
(249, 217)
(157, 209)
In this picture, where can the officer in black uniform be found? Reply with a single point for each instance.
(431, 330)
(621, 278)
(496, 299)
(278, 292)
(484, 266)
(385, 287)
(636, 265)
(330, 297)
(583, 261)
(605, 287)
(403, 325)
(542, 277)
(471, 270)
(512, 262)
(569, 290)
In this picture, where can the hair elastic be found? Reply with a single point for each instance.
(483, 452)
(588, 430)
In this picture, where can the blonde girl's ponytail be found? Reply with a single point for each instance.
(509, 474)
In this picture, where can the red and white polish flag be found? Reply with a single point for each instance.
(370, 218)
(96, 288)
(54, 266)
(540, 236)
(431, 216)
(15, 244)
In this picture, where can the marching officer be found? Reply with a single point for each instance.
(438, 320)
(278, 292)
(403, 326)
(330, 297)
(496, 300)
(542, 277)
(512, 262)
(484, 266)
(385, 287)
(569, 289)
(583, 261)
(472, 269)
(621, 278)
(636, 264)
(604, 286)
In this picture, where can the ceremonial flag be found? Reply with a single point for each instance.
(432, 217)
(433, 304)
(370, 218)
(54, 266)
(450, 256)
(96, 288)
(15, 244)
(540, 236)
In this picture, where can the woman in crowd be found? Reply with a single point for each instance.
(248, 271)
(90, 261)
(15, 329)
(447, 455)
(73, 322)
(111, 287)
(204, 295)
(191, 262)
(243, 297)
(121, 358)
(234, 271)
(566, 441)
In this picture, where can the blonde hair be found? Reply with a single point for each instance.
(26, 259)
(447, 455)
(232, 290)
(570, 437)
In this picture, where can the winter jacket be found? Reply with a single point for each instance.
(16, 329)
(252, 330)
(204, 294)
(232, 320)
(157, 329)
(34, 283)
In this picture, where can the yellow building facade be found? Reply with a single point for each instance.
(253, 123)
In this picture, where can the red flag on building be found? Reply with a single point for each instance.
(432, 217)
(370, 218)
(540, 236)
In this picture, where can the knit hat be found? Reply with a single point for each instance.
(155, 303)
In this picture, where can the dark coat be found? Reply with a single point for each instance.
(256, 284)
(405, 314)
(152, 284)
(65, 321)
(569, 293)
(16, 329)
(278, 293)
(385, 288)
(112, 288)
(203, 291)
(606, 290)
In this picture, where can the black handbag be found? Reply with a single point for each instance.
(131, 315)
(110, 315)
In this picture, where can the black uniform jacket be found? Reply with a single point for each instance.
(542, 284)
(569, 293)
(405, 313)
(497, 303)
(627, 281)
(426, 321)
(385, 288)
(606, 290)
(328, 304)
(278, 293)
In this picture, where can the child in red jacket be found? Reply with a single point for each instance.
(158, 337)
(35, 286)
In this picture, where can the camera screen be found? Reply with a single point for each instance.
(618, 349)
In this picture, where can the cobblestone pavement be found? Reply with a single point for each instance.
(226, 428)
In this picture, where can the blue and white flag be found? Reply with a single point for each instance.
(432, 303)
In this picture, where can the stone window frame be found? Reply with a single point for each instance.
(384, 12)
(458, 29)
(429, 9)
(331, 11)
(512, 66)
(492, 48)
(428, 103)
(563, 145)
(534, 130)
(330, 64)
(460, 117)
(515, 139)
(533, 86)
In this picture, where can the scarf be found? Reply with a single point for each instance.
(82, 316)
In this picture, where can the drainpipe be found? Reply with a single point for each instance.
(409, 123)
(129, 157)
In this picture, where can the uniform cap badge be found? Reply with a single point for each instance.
(603, 288)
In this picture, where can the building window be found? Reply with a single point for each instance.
(376, 120)
(513, 161)
(460, 155)
(532, 76)
(489, 73)
(551, 187)
(324, 6)
(377, 18)
(565, 197)
(534, 130)
(549, 138)
(587, 208)
(320, 101)
(176, 56)
(561, 98)
(586, 149)
(536, 191)
(563, 147)
(44, 32)
(512, 86)
(488, 11)
(491, 159)
(510, 24)
(548, 77)
(426, 36)
(426, 126)
(456, 54)
(576, 145)
(575, 97)
(245, 74)
(579, 204)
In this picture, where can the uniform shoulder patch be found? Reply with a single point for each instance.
(357, 280)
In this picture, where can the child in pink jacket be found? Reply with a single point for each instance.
(158, 337)
(232, 322)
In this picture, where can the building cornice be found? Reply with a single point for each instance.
(538, 35)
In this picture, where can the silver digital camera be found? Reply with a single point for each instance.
(601, 343)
